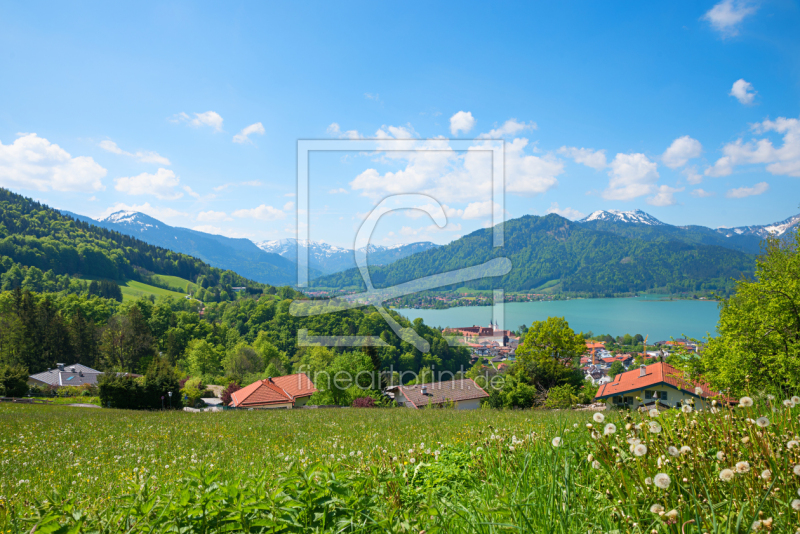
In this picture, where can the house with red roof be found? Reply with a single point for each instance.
(290, 391)
(658, 381)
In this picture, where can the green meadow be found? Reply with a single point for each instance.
(69, 469)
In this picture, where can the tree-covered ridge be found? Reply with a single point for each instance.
(551, 250)
(33, 235)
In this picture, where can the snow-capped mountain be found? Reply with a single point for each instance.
(776, 229)
(632, 217)
(331, 259)
(240, 255)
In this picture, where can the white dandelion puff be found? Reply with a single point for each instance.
(655, 428)
(662, 480)
(766, 474)
(742, 467)
(654, 412)
(796, 505)
(686, 408)
(698, 390)
(726, 475)
(796, 470)
(640, 450)
(598, 417)
(556, 442)
(763, 422)
(792, 444)
(596, 464)
(788, 403)
(745, 402)
(673, 451)
(672, 514)
(656, 509)
(648, 481)
(796, 399)
(610, 428)
(686, 449)
(720, 455)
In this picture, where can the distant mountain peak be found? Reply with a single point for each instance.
(763, 231)
(631, 217)
(132, 218)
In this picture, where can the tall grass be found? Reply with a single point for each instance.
(380, 470)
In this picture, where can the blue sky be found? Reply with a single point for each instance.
(191, 112)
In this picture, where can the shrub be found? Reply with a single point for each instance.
(145, 393)
(560, 397)
(364, 402)
(226, 394)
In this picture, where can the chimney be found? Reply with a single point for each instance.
(424, 390)
(642, 370)
(72, 368)
(60, 366)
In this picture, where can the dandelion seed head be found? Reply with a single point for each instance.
(610, 428)
(654, 412)
(655, 428)
(742, 467)
(662, 480)
(596, 464)
(796, 470)
(673, 451)
(745, 402)
(763, 422)
(686, 408)
(648, 481)
(720, 455)
(686, 449)
(656, 509)
(698, 390)
(766, 474)
(796, 505)
(556, 442)
(726, 475)
(672, 514)
(640, 450)
(796, 399)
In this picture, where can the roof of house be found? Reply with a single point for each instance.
(278, 390)
(440, 392)
(656, 373)
(68, 375)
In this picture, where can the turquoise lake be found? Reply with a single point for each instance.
(656, 317)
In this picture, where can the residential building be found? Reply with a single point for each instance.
(465, 394)
(65, 375)
(290, 391)
(640, 388)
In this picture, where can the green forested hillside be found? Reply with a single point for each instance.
(43, 250)
(552, 251)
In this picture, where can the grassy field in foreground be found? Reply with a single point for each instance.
(396, 470)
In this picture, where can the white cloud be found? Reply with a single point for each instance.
(32, 162)
(784, 160)
(261, 213)
(207, 118)
(288, 206)
(665, 196)
(702, 193)
(162, 185)
(242, 137)
(422, 211)
(335, 130)
(530, 175)
(370, 96)
(632, 176)
(568, 213)
(463, 122)
(144, 157)
(479, 210)
(290, 195)
(213, 216)
(743, 91)
(208, 229)
(726, 16)
(681, 151)
(692, 176)
(596, 159)
(153, 211)
(191, 192)
(339, 191)
(509, 128)
(742, 192)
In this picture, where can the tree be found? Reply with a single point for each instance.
(201, 358)
(13, 381)
(126, 343)
(615, 369)
(243, 360)
(226, 398)
(550, 354)
(758, 346)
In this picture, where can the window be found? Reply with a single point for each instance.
(648, 394)
(617, 400)
(628, 400)
(662, 395)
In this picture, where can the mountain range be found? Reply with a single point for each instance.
(608, 252)
(331, 259)
(614, 250)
